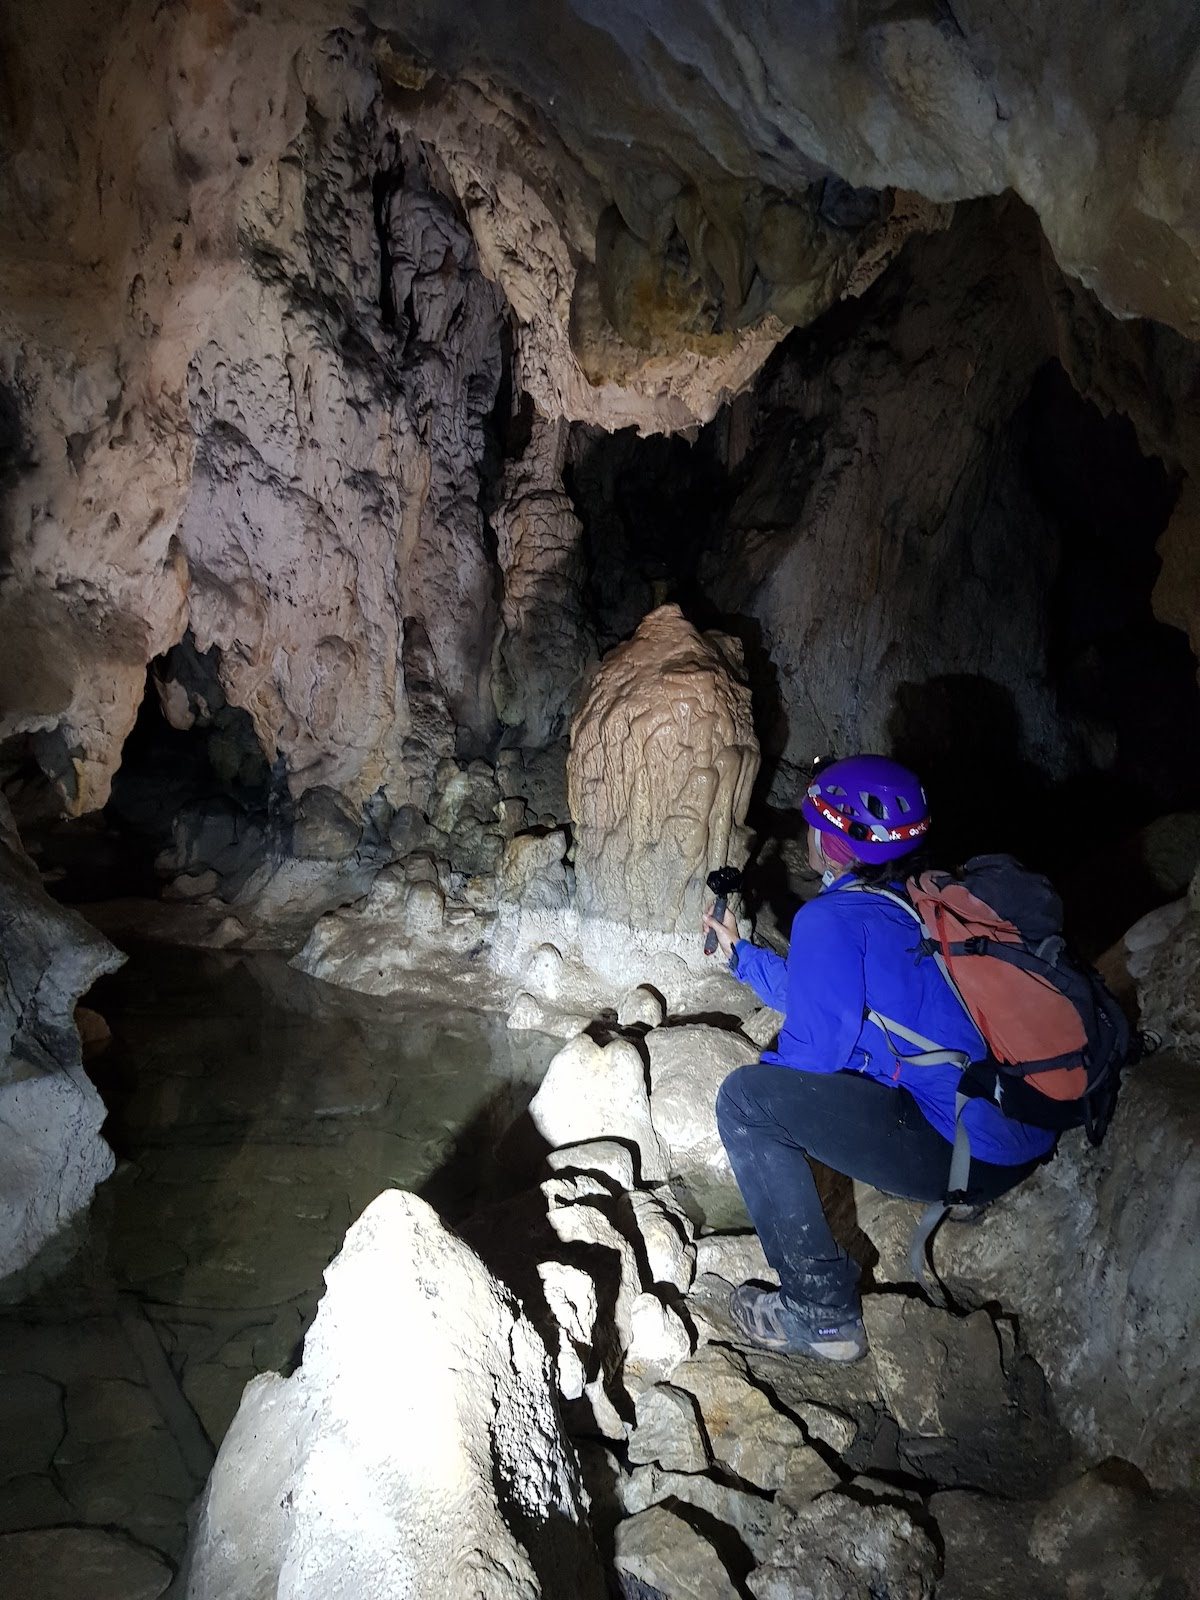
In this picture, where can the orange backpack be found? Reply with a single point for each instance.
(1056, 1037)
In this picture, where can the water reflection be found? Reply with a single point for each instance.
(255, 1113)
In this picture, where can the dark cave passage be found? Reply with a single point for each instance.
(194, 795)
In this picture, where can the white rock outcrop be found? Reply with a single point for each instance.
(417, 1452)
(1086, 1253)
(688, 1065)
(590, 1093)
(665, 1556)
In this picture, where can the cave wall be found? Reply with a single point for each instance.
(884, 546)
(295, 304)
(260, 411)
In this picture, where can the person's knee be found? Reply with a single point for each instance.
(734, 1100)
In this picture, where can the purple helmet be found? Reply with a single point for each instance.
(875, 805)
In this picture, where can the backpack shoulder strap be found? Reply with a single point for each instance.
(880, 893)
(930, 1053)
(906, 904)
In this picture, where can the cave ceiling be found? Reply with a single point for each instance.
(269, 269)
(1089, 111)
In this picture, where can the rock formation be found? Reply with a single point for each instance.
(716, 1468)
(878, 575)
(51, 1153)
(663, 760)
(544, 649)
(951, 105)
(1086, 1254)
(253, 392)
(494, 902)
(417, 1450)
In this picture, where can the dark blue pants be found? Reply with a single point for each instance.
(772, 1119)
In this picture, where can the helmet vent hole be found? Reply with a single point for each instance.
(903, 803)
(875, 806)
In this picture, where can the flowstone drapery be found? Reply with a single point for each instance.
(663, 760)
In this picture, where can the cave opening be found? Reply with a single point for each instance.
(195, 805)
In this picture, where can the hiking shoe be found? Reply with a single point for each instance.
(773, 1322)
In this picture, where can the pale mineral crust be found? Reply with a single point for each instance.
(663, 760)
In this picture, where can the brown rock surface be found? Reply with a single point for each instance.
(663, 759)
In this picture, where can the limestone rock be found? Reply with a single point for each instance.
(531, 871)
(658, 1342)
(668, 1431)
(752, 1517)
(49, 1562)
(594, 1093)
(544, 649)
(688, 1065)
(1148, 933)
(605, 1156)
(662, 1231)
(736, 1257)
(837, 1549)
(1102, 1534)
(828, 1400)
(533, 212)
(746, 1433)
(569, 1189)
(326, 827)
(417, 1449)
(763, 1027)
(51, 1153)
(192, 886)
(608, 1256)
(792, 522)
(665, 1554)
(1106, 1266)
(881, 99)
(571, 1298)
(663, 759)
(406, 934)
(929, 1362)
(642, 1005)
(1170, 991)
(538, 1016)
(968, 1409)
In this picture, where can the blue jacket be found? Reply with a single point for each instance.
(848, 949)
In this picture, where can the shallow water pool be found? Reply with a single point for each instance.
(254, 1113)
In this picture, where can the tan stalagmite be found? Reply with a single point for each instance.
(663, 759)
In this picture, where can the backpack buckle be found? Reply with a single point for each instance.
(976, 945)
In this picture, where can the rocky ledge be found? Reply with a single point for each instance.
(557, 1401)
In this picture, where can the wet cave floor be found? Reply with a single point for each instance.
(254, 1113)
